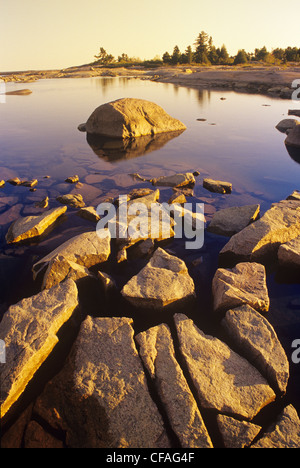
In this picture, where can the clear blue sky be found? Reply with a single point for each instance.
(41, 34)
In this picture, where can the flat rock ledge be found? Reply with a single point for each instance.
(163, 281)
(33, 226)
(29, 330)
(243, 284)
(261, 240)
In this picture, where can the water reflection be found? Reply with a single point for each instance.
(112, 149)
(294, 153)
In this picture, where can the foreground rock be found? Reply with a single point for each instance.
(86, 250)
(260, 240)
(33, 226)
(229, 221)
(223, 380)
(217, 186)
(175, 180)
(158, 355)
(256, 339)
(244, 284)
(289, 254)
(235, 433)
(100, 398)
(285, 433)
(131, 118)
(163, 281)
(29, 330)
(293, 138)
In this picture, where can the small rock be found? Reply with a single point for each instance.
(229, 221)
(72, 179)
(89, 213)
(14, 181)
(42, 204)
(176, 180)
(82, 127)
(217, 186)
(287, 124)
(33, 226)
(244, 284)
(19, 92)
(145, 247)
(75, 201)
(285, 433)
(139, 192)
(30, 183)
(2, 183)
(107, 282)
(236, 434)
(294, 196)
(177, 197)
(122, 255)
(163, 281)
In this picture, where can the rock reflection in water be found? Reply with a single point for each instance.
(117, 149)
(294, 153)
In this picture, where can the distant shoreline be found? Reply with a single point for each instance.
(273, 80)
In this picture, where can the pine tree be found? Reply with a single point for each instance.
(202, 48)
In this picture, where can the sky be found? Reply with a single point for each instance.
(55, 34)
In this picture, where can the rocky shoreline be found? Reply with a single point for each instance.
(275, 81)
(76, 374)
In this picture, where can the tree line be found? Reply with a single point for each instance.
(205, 53)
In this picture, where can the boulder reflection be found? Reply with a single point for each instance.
(294, 153)
(113, 149)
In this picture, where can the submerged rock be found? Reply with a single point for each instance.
(229, 221)
(33, 226)
(72, 179)
(235, 433)
(131, 118)
(244, 284)
(224, 381)
(158, 354)
(29, 330)
(256, 339)
(100, 399)
(260, 240)
(285, 433)
(164, 280)
(217, 186)
(89, 213)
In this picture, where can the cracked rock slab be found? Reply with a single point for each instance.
(256, 339)
(224, 381)
(235, 433)
(157, 352)
(243, 284)
(29, 330)
(101, 398)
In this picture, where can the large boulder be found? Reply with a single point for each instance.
(163, 281)
(131, 118)
(224, 381)
(260, 240)
(100, 399)
(33, 226)
(256, 339)
(243, 284)
(157, 352)
(29, 330)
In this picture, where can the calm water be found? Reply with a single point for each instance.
(238, 142)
